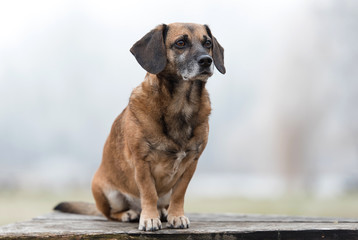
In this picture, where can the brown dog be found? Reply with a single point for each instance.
(155, 143)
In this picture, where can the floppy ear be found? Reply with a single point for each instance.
(150, 51)
(218, 52)
(218, 56)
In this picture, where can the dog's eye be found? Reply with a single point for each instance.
(208, 44)
(180, 43)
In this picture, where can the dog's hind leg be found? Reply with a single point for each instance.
(120, 207)
(101, 200)
(113, 204)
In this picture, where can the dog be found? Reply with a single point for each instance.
(154, 145)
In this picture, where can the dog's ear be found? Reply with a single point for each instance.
(150, 51)
(218, 52)
(218, 56)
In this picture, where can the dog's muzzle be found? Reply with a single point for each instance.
(205, 61)
(205, 65)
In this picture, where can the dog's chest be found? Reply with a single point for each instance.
(179, 125)
(180, 118)
(170, 164)
(167, 169)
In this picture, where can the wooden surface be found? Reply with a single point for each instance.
(203, 226)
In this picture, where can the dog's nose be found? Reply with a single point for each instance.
(205, 61)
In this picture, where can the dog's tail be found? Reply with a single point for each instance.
(78, 208)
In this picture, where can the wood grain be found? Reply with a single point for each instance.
(203, 226)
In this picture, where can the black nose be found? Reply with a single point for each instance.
(205, 61)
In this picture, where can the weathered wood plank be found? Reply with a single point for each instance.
(203, 226)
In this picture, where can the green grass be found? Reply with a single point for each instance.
(344, 206)
(21, 205)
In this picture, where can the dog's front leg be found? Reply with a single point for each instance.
(149, 217)
(176, 218)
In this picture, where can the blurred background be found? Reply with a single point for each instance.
(284, 125)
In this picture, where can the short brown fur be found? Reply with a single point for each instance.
(152, 150)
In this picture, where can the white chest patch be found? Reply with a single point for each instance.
(180, 156)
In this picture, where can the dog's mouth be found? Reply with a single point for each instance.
(203, 75)
(206, 72)
(195, 72)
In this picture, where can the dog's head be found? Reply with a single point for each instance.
(185, 49)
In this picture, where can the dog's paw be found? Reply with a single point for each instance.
(163, 212)
(130, 216)
(178, 222)
(126, 216)
(150, 224)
